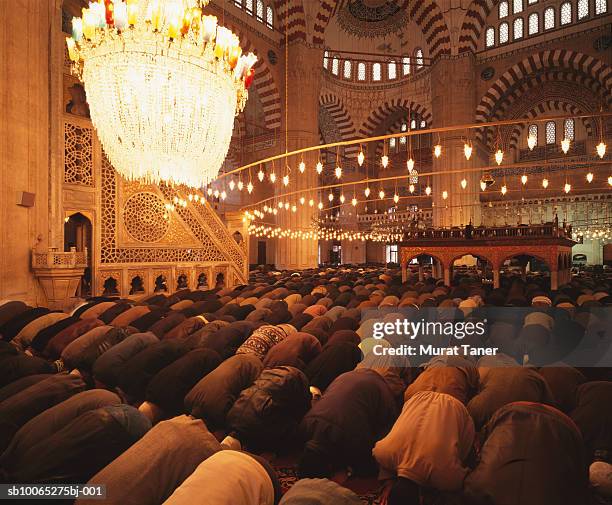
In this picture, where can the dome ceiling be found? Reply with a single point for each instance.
(372, 18)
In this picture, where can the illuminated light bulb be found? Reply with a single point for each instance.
(209, 191)
(381, 194)
(190, 197)
(444, 195)
(499, 156)
(338, 172)
(260, 175)
(280, 205)
(463, 183)
(240, 185)
(384, 161)
(196, 198)
(320, 205)
(265, 208)
(286, 205)
(232, 185)
(601, 149)
(523, 179)
(176, 200)
(216, 193)
(565, 145)
(342, 198)
(223, 195)
(250, 187)
(302, 200)
(467, 150)
(330, 197)
(354, 202)
(366, 192)
(410, 165)
(567, 188)
(360, 158)
(293, 208)
(483, 185)
(589, 177)
(272, 177)
(428, 190)
(319, 167)
(302, 166)
(275, 211)
(396, 198)
(544, 183)
(610, 180)
(504, 189)
(285, 180)
(411, 188)
(311, 202)
(437, 150)
(532, 140)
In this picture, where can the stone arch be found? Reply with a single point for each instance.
(263, 80)
(342, 121)
(382, 114)
(473, 24)
(290, 14)
(537, 256)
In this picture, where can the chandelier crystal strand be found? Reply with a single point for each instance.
(163, 84)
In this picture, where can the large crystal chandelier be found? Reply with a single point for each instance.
(163, 83)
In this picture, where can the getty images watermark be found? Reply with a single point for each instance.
(424, 330)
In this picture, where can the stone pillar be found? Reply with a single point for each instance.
(303, 127)
(421, 276)
(454, 108)
(496, 278)
(24, 141)
(404, 271)
(447, 275)
(554, 280)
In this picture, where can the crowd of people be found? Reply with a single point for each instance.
(188, 398)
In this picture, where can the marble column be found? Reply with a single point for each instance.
(449, 109)
(304, 84)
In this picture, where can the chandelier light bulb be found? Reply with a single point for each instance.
(311, 202)
(499, 156)
(532, 140)
(354, 202)
(444, 195)
(302, 166)
(523, 179)
(209, 191)
(190, 196)
(265, 208)
(232, 185)
(384, 161)
(216, 193)
(483, 185)
(504, 189)
(285, 180)
(223, 195)
(240, 185)
(366, 192)
(196, 198)
(396, 198)
(544, 183)
(589, 177)
(275, 211)
(610, 180)
(319, 167)
(338, 172)
(437, 150)
(272, 177)
(410, 165)
(250, 187)
(302, 200)
(381, 194)
(601, 149)
(260, 175)
(463, 183)
(142, 110)
(360, 158)
(286, 205)
(342, 198)
(280, 205)
(567, 188)
(320, 205)
(293, 208)
(428, 190)
(330, 197)
(411, 188)
(565, 145)
(467, 150)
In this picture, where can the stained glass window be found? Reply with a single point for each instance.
(348, 67)
(518, 28)
(503, 9)
(551, 132)
(361, 71)
(566, 13)
(534, 23)
(549, 18)
(583, 9)
(490, 37)
(503, 33)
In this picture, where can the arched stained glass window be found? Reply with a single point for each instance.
(583, 9)
(335, 65)
(269, 17)
(348, 68)
(376, 72)
(534, 23)
(418, 55)
(490, 37)
(601, 7)
(361, 71)
(518, 28)
(406, 65)
(260, 10)
(503, 33)
(566, 13)
(551, 132)
(569, 129)
(549, 18)
(533, 132)
(392, 70)
(503, 9)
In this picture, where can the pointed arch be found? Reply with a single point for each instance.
(378, 117)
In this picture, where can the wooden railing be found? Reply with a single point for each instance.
(548, 230)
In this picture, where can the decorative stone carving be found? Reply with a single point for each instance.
(143, 216)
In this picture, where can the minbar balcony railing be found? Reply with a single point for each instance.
(547, 230)
(59, 259)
